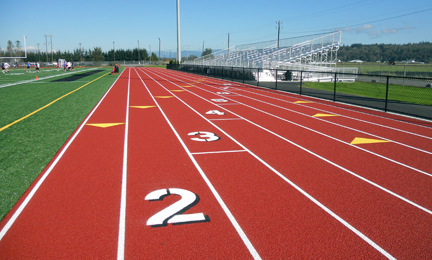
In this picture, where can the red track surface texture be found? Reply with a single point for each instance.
(253, 174)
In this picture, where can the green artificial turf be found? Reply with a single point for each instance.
(28, 146)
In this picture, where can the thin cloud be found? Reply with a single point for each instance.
(368, 29)
(396, 30)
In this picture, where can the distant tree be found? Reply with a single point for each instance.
(97, 55)
(192, 57)
(10, 49)
(207, 51)
(154, 57)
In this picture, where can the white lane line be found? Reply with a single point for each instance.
(230, 216)
(353, 118)
(48, 171)
(230, 151)
(122, 222)
(328, 136)
(326, 121)
(326, 160)
(222, 119)
(334, 215)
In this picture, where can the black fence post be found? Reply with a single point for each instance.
(386, 99)
(334, 91)
(276, 79)
(301, 81)
(258, 77)
(232, 73)
(243, 75)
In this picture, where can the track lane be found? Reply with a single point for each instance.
(273, 194)
(158, 161)
(402, 227)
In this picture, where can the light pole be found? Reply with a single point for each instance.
(114, 51)
(178, 33)
(150, 54)
(139, 62)
(159, 48)
(80, 54)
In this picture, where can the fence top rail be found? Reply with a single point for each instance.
(305, 71)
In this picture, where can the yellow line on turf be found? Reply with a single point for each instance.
(49, 104)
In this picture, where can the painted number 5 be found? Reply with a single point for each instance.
(205, 136)
(173, 213)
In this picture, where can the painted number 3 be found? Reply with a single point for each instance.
(173, 213)
(205, 136)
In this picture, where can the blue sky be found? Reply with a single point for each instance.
(95, 23)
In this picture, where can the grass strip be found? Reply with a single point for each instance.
(413, 95)
(49, 104)
(26, 148)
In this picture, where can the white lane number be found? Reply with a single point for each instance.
(204, 136)
(173, 213)
(215, 112)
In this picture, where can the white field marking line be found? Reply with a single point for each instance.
(230, 151)
(326, 121)
(31, 80)
(331, 213)
(422, 126)
(234, 222)
(331, 137)
(320, 157)
(48, 171)
(122, 221)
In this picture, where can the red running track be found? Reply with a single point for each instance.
(174, 165)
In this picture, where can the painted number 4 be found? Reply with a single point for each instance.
(173, 213)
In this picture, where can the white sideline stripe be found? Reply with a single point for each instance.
(328, 161)
(42, 179)
(231, 151)
(122, 221)
(234, 222)
(328, 136)
(334, 215)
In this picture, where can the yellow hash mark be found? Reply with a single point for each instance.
(49, 104)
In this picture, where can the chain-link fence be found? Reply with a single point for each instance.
(405, 95)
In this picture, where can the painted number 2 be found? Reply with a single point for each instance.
(173, 213)
(205, 136)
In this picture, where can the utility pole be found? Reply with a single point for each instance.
(139, 62)
(278, 23)
(159, 48)
(178, 33)
(228, 42)
(52, 60)
(80, 53)
(46, 47)
(150, 54)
